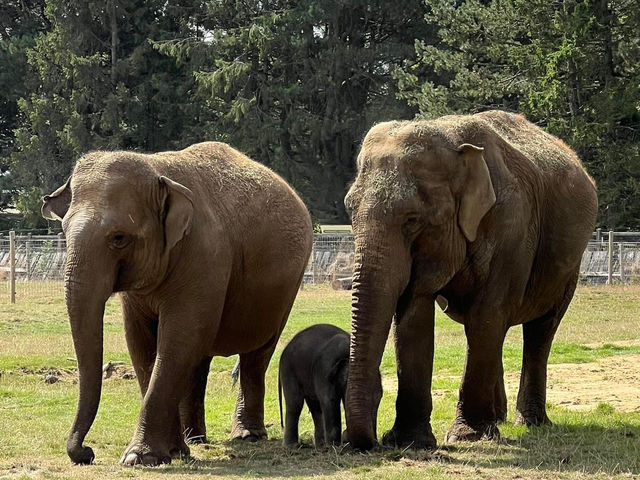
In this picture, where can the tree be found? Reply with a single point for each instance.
(101, 85)
(296, 84)
(570, 66)
(20, 23)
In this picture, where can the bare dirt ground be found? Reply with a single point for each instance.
(613, 380)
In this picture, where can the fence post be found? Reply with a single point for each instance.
(313, 261)
(610, 251)
(598, 235)
(27, 251)
(621, 262)
(12, 265)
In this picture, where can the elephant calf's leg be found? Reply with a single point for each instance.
(318, 423)
(332, 420)
(293, 401)
(192, 416)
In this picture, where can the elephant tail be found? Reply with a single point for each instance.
(235, 373)
(280, 400)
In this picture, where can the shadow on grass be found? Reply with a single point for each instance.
(270, 458)
(560, 448)
(587, 449)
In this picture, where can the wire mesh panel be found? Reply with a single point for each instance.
(625, 262)
(40, 260)
(331, 261)
(39, 266)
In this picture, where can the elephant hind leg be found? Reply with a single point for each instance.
(248, 421)
(293, 401)
(318, 422)
(537, 337)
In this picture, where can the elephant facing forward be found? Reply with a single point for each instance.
(487, 214)
(208, 249)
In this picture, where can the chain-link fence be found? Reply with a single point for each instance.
(38, 265)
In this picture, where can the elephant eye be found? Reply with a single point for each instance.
(412, 225)
(120, 240)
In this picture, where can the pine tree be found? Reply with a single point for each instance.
(101, 85)
(20, 23)
(570, 66)
(296, 84)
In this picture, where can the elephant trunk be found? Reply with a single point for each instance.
(86, 292)
(378, 282)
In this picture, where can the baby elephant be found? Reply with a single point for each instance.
(313, 368)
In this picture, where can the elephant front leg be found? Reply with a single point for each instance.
(142, 344)
(157, 436)
(192, 417)
(414, 330)
(480, 406)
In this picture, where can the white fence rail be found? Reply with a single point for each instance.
(33, 266)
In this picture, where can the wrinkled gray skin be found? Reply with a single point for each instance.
(207, 249)
(313, 368)
(488, 215)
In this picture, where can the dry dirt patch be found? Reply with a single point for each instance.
(614, 380)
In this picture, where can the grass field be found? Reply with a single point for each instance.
(587, 441)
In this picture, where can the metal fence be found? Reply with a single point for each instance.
(31, 266)
(38, 262)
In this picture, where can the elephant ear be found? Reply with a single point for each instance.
(177, 211)
(477, 195)
(55, 205)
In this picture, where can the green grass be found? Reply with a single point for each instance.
(35, 417)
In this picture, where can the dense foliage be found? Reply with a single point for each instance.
(296, 83)
(572, 66)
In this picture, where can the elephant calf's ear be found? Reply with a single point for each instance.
(178, 211)
(477, 195)
(55, 206)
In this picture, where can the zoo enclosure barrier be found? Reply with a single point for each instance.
(32, 266)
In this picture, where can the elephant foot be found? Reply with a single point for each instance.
(463, 432)
(534, 417)
(179, 449)
(420, 439)
(81, 455)
(139, 454)
(240, 432)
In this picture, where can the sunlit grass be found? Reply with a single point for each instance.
(35, 417)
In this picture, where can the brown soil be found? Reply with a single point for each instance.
(613, 380)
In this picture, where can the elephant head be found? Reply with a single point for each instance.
(121, 220)
(419, 198)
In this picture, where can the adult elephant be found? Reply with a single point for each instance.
(208, 249)
(489, 215)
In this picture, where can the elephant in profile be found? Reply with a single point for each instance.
(486, 214)
(207, 249)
